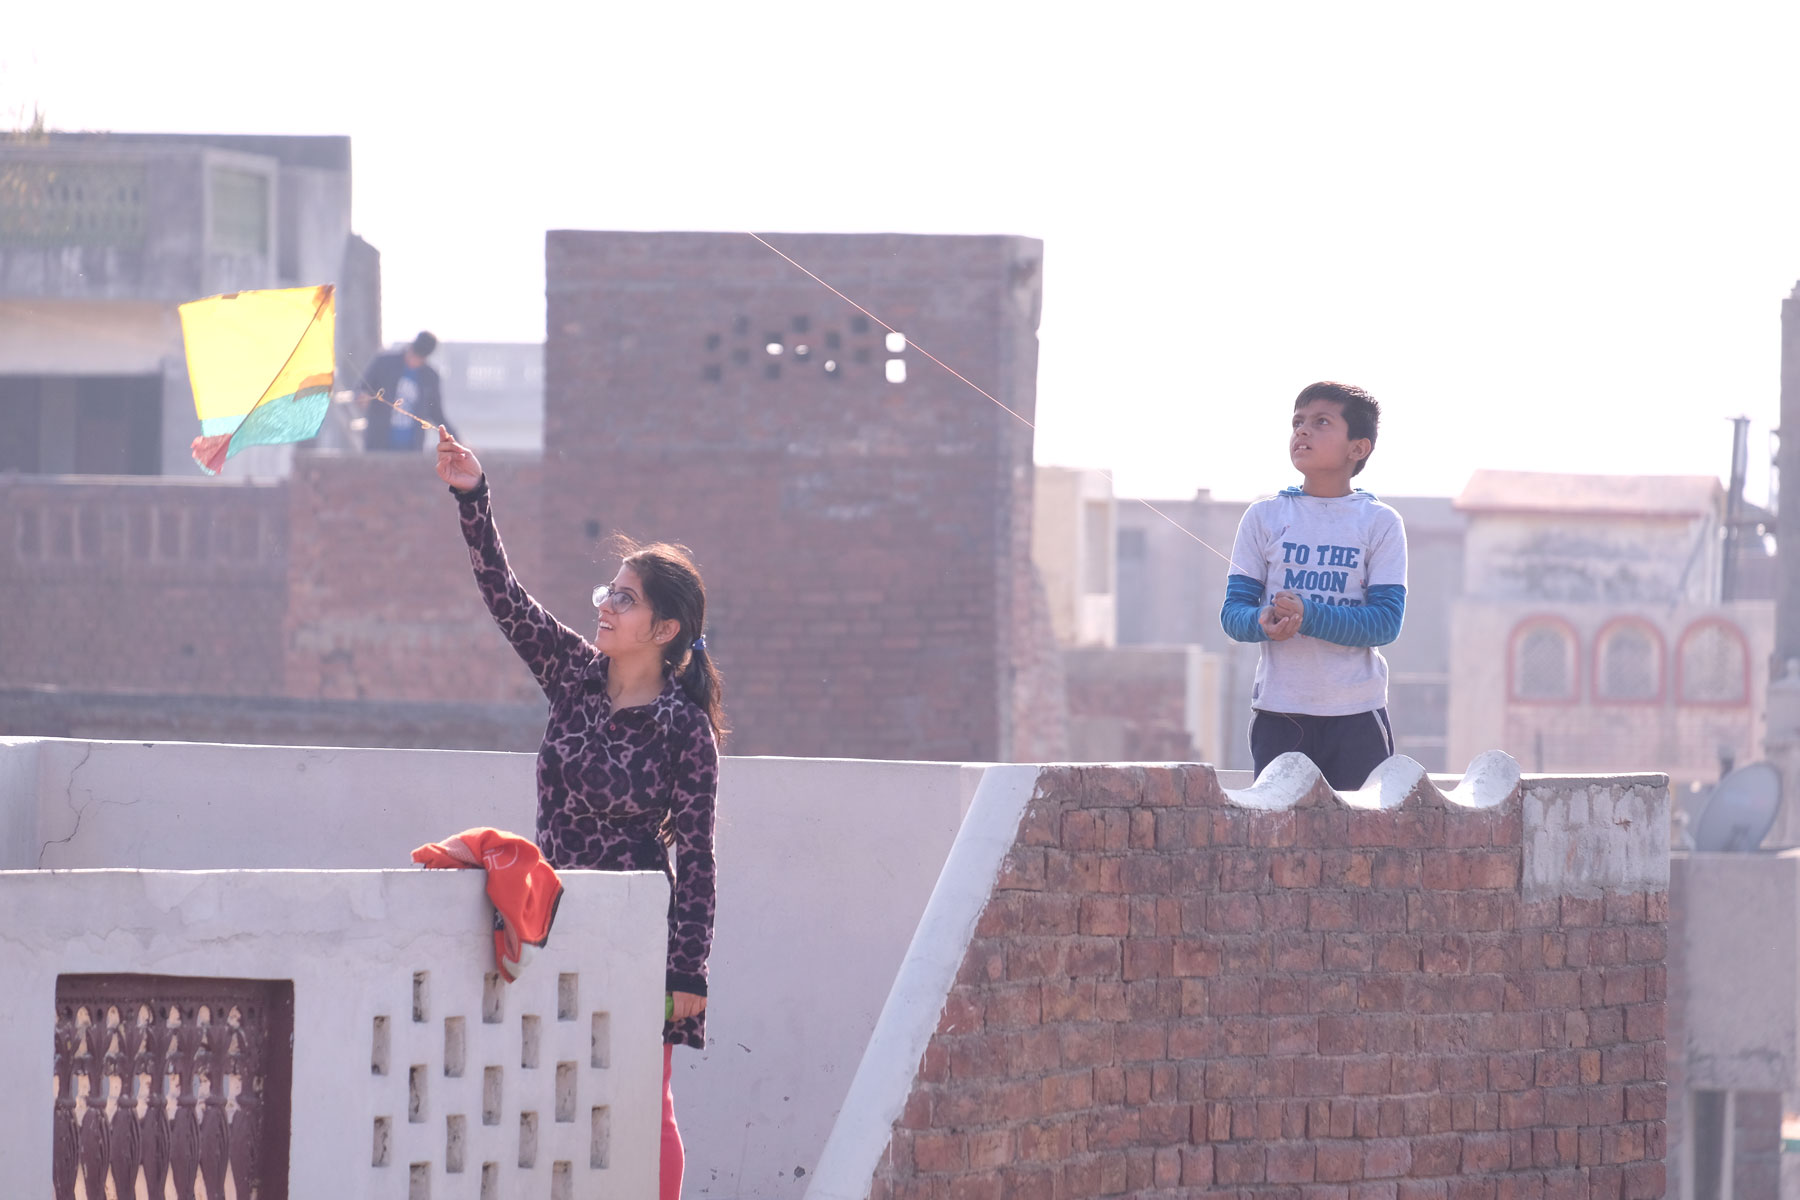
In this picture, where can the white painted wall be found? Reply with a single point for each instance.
(1743, 970)
(351, 942)
(824, 870)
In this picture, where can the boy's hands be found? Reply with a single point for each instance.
(1281, 620)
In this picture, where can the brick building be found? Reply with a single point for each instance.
(862, 517)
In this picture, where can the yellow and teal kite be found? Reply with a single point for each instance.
(261, 364)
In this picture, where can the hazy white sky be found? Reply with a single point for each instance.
(1547, 236)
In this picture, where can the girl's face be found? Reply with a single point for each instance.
(626, 625)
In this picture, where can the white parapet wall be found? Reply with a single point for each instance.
(824, 869)
(415, 1071)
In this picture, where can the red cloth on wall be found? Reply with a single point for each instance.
(524, 889)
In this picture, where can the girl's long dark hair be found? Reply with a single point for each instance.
(674, 591)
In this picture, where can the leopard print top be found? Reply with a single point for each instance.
(616, 789)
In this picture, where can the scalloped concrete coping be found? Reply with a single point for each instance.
(1492, 779)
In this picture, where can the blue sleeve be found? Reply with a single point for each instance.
(1375, 622)
(1243, 601)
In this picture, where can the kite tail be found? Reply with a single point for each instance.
(210, 452)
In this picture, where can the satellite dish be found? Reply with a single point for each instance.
(1742, 810)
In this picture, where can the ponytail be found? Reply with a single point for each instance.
(699, 678)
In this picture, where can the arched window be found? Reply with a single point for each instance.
(1713, 664)
(1628, 658)
(1542, 669)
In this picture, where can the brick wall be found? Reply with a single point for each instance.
(131, 608)
(859, 537)
(270, 721)
(381, 601)
(1167, 991)
(142, 585)
(1130, 704)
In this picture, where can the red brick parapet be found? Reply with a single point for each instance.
(1387, 996)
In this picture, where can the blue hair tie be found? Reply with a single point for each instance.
(699, 643)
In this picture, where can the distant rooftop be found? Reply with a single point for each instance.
(1616, 495)
(331, 152)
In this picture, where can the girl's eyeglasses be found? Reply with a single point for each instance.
(608, 596)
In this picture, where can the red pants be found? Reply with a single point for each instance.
(673, 1159)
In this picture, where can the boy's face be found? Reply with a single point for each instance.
(1321, 443)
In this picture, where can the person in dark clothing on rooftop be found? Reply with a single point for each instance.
(404, 379)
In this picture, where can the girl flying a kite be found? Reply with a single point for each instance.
(629, 764)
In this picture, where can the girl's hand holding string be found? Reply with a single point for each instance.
(683, 1005)
(456, 463)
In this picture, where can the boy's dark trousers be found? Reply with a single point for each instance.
(1345, 749)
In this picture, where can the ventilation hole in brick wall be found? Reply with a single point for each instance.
(528, 1140)
(200, 536)
(492, 1010)
(490, 1096)
(378, 1048)
(859, 324)
(862, 356)
(168, 536)
(600, 1047)
(530, 1036)
(455, 1047)
(592, 529)
(565, 1092)
(187, 650)
(712, 373)
(62, 536)
(712, 341)
(896, 370)
(490, 1181)
(741, 325)
(419, 1185)
(421, 995)
(31, 544)
(384, 1141)
(600, 1140)
(772, 371)
(802, 324)
(802, 353)
(833, 340)
(774, 349)
(415, 1095)
(89, 524)
(896, 343)
(568, 996)
(456, 1137)
(562, 1181)
(740, 356)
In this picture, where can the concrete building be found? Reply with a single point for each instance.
(1073, 533)
(1140, 703)
(103, 235)
(1591, 631)
(494, 393)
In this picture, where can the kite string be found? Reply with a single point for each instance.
(427, 426)
(1020, 417)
